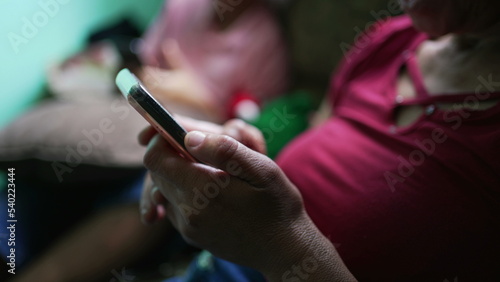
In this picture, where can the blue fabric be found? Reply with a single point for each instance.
(207, 268)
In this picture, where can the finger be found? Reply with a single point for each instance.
(246, 134)
(225, 153)
(158, 206)
(175, 176)
(173, 54)
(152, 202)
(145, 202)
(161, 212)
(147, 209)
(174, 215)
(157, 197)
(178, 208)
(170, 213)
(146, 135)
(155, 214)
(166, 188)
(191, 124)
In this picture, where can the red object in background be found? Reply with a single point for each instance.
(243, 105)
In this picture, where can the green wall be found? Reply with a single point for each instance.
(60, 28)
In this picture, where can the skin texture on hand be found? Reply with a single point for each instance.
(152, 200)
(237, 204)
(227, 206)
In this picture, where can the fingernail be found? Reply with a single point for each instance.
(195, 138)
(154, 195)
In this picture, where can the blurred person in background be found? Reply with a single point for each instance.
(235, 49)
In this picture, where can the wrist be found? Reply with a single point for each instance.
(304, 254)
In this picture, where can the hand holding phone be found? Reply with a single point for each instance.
(139, 97)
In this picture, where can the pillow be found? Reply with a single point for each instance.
(71, 140)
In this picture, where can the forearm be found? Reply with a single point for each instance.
(306, 255)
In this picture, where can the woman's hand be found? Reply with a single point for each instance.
(152, 201)
(237, 204)
(245, 133)
(179, 88)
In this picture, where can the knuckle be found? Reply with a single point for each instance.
(270, 173)
(246, 133)
(162, 168)
(225, 148)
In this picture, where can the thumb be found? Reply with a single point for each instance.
(227, 154)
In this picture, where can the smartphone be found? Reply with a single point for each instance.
(140, 98)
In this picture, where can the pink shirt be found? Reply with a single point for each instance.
(419, 203)
(249, 56)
